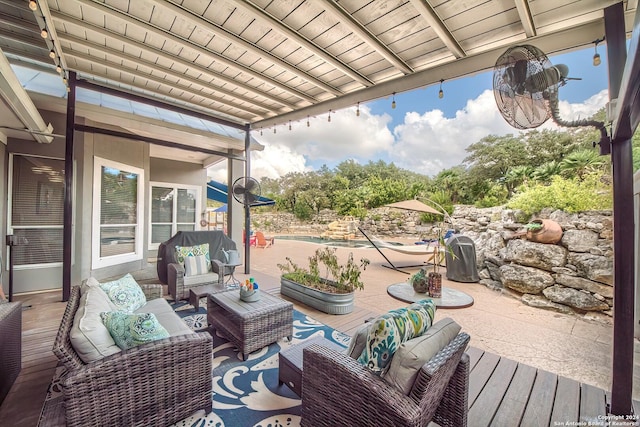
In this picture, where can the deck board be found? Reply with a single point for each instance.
(567, 402)
(538, 412)
(515, 399)
(591, 398)
(486, 405)
(482, 371)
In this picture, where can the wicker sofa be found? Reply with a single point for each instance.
(154, 384)
(338, 390)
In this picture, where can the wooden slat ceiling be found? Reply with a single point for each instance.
(269, 61)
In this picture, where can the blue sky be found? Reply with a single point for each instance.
(423, 133)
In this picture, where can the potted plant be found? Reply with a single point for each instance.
(326, 284)
(543, 231)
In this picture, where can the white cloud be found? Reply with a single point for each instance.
(426, 142)
(429, 142)
(345, 137)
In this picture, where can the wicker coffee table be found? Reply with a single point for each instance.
(290, 362)
(249, 325)
(198, 292)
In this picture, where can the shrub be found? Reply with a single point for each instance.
(570, 195)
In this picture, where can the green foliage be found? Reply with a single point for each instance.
(324, 266)
(582, 162)
(437, 198)
(302, 211)
(496, 196)
(569, 194)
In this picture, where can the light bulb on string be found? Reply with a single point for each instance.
(44, 33)
(308, 124)
(33, 5)
(58, 69)
(393, 103)
(329, 118)
(358, 110)
(52, 54)
(441, 92)
(260, 130)
(596, 56)
(274, 128)
(289, 124)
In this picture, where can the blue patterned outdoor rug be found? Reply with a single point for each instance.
(247, 393)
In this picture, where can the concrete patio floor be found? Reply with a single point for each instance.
(567, 345)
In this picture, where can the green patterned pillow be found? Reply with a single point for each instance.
(391, 329)
(130, 330)
(125, 293)
(185, 251)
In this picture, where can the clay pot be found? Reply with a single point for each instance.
(551, 232)
(420, 282)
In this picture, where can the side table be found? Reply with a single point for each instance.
(198, 292)
(232, 282)
(290, 362)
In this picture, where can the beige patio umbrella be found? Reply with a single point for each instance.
(415, 205)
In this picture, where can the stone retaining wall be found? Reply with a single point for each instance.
(575, 275)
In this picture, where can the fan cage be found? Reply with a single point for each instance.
(523, 100)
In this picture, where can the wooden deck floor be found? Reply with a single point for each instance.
(502, 392)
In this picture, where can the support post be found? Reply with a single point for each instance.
(623, 223)
(67, 242)
(247, 207)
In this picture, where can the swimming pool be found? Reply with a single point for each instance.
(331, 242)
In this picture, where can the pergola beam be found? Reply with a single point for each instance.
(526, 18)
(438, 26)
(334, 8)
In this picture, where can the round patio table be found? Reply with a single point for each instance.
(451, 298)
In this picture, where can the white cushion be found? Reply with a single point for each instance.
(196, 265)
(358, 341)
(190, 281)
(413, 354)
(88, 283)
(89, 337)
(166, 317)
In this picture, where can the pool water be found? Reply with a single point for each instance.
(330, 242)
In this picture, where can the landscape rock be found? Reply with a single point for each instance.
(526, 280)
(537, 255)
(586, 284)
(579, 240)
(492, 284)
(539, 301)
(574, 298)
(594, 267)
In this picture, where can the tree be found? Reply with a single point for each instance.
(581, 162)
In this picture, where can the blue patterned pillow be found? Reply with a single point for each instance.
(391, 329)
(130, 330)
(125, 293)
(186, 251)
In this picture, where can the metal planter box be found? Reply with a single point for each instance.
(324, 301)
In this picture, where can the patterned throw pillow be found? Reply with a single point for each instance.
(125, 293)
(196, 265)
(185, 251)
(129, 330)
(391, 329)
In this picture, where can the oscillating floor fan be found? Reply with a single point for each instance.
(246, 190)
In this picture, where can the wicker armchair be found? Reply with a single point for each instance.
(337, 390)
(154, 384)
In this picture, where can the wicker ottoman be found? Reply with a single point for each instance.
(10, 345)
(249, 325)
(290, 362)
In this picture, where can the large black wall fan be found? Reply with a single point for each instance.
(525, 86)
(246, 190)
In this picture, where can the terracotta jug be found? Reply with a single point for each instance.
(550, 232)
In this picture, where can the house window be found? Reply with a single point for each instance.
(36, 210)
(117, 212)
(173, 208)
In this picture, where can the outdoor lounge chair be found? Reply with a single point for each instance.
(428, 251)
(263, 242)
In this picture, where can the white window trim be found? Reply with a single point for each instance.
(96, 260)
(174, 230)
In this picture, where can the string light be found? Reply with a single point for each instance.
(308, 124)
(33, 5)
(329, 118)
(274, 128)
(358, 110)
(260, 130)
(441, 92)
(58, 68)
(393, 103)
(289, 124)
(52, 54)
(44, 33)
(596, 56)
